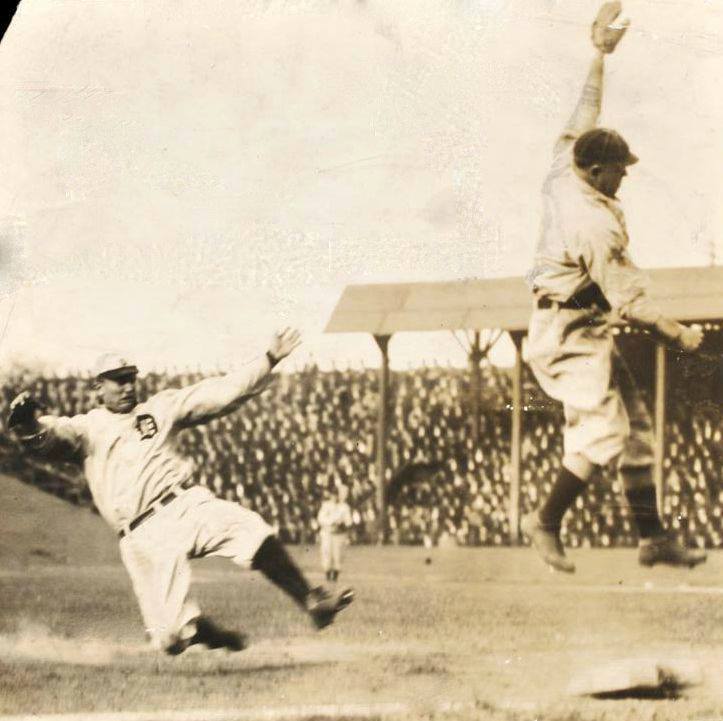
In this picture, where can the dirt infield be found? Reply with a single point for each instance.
(478, 634)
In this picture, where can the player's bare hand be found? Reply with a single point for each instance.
(284, 342)
(607, 30)
(690, 338)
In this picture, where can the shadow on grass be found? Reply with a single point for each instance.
(243, 670)
(664, 692)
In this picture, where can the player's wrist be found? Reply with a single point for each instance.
(671, 329)
(272, 359)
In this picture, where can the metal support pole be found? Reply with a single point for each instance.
(475, 358)
(382, 433)
(516, 442)
(659, 447)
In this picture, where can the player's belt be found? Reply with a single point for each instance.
(589, 297)
(157, 504)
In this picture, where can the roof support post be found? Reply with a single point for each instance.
(516, 442)
(475, 358)
(382, 434)
(659, 446)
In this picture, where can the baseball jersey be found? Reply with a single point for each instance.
(333, 515)
(130, 459)
(584, 240)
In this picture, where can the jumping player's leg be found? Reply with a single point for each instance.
(543, 526)
(570, 355)
(635, 468)
(592, 437)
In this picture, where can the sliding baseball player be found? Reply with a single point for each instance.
(147, 494)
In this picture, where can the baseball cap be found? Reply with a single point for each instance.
(113, 364)
(601, 145)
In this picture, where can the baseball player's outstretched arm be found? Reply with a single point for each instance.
(215, 397)
(41, 433)
(587, 110)
(605, 37)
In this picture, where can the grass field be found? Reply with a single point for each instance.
(477, 634)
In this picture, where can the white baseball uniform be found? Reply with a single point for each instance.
(145, 491)
(571, 350)
(334, 519)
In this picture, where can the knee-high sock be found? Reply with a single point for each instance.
(643, 499)
(566, 489)
(276, 564)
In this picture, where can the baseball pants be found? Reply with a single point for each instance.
(575, 360)
(332, 550)
(157, 556)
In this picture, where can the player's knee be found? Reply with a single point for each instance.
(610, 450)
(579, 465)
(634, 477)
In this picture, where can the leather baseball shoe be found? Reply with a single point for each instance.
(547, 543)
(210, 635)
(666, 550)
(323, 605)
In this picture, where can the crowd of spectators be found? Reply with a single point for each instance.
(315, 429)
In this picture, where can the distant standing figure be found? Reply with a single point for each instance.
(334, 523)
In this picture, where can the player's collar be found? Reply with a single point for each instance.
(593, 193)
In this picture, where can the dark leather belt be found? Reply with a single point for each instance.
(589, 297)
(162, 501)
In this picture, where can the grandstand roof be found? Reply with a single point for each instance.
(686, 294)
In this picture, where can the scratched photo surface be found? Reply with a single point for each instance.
(181, 182)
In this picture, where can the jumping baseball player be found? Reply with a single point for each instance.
(334, 520)
(582, 280)
(145, 491)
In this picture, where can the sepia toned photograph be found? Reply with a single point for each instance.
(361, 359)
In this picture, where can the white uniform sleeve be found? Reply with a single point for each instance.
(625, 286)
(60, 433)
(562, 150)
(215, 397)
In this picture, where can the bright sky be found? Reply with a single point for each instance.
(180, 178)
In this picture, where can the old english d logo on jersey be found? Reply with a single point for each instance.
(617, 255)
(146, 426)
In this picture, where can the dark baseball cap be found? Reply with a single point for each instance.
(602, 145)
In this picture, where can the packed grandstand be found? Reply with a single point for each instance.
(315, 429)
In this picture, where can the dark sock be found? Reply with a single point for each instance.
(276, 564)
(643, 504)
(566, 489)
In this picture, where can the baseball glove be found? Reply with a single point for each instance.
(606, 34)
(22, 415)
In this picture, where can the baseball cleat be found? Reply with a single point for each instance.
(666, 550)
(547, 543)
(323, 605)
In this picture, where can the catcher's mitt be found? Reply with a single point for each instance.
(22, 415)
(606, 33)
